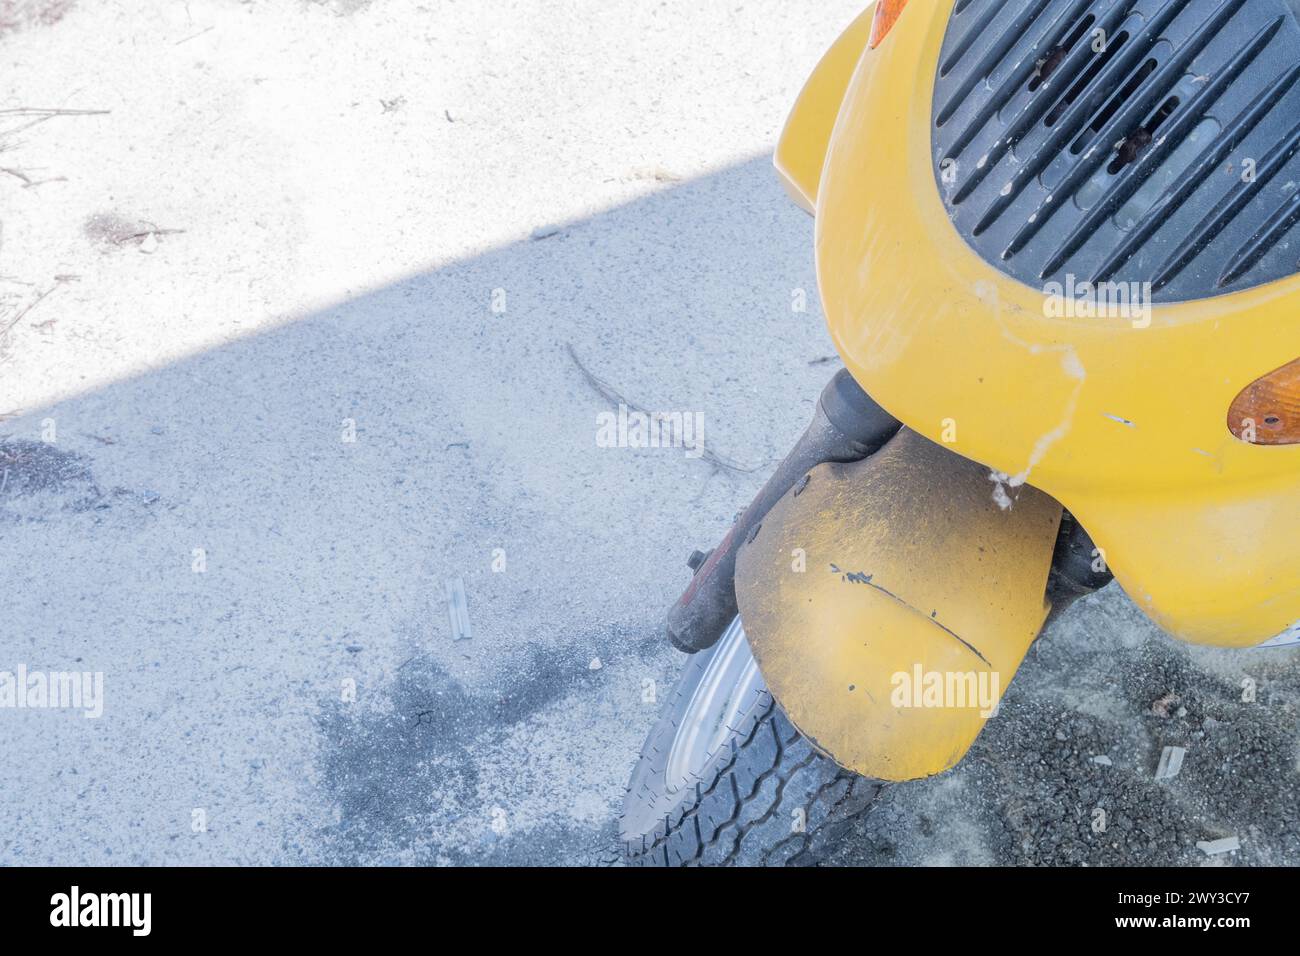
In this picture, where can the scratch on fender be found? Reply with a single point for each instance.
(861, 577)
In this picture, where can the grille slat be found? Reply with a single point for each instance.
(975, 31)
(1036, 109)
(1209, 228)
(1152, 94)
(1123, 188)
(1278, 225)
(1131, 85)
(1057, 159)
(996, 54)
(1210, 159)
(1017, 78)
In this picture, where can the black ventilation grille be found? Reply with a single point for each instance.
(1124, 140)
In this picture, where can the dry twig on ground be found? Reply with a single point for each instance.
(615, 397)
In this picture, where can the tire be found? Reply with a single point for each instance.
(757, 793)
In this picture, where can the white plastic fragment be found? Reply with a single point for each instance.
(1102, 759)
(595, 664)
(457, 609)
(1288, 637)
(1215, 847)
(1171, 761)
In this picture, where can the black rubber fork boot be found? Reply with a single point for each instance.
(1078, 568)
(847, 426)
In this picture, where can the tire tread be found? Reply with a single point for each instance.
(742, 815)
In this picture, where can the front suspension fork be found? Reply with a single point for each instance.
(847, 426)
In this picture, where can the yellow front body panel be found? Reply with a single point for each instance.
(1124, 425)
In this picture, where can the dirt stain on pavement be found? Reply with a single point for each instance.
(39, 470)
(18, 15)
(342, 8)
(403, 776)
(39, 480)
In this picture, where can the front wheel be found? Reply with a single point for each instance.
(724, 779)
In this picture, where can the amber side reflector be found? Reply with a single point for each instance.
(1267, 412)
(887, 14)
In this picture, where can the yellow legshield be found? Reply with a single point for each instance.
(889, 602)
(802, 147)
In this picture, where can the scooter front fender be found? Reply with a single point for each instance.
(890, 601)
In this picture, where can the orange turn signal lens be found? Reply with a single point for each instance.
(887, 14)
(1267, 412)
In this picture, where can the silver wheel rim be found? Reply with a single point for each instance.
(728, 687)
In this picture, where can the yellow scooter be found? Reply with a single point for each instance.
(1058, 246)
